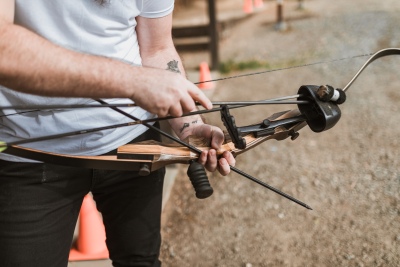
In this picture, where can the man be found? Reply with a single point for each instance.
(70, 52)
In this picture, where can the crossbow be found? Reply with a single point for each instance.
(317, 107)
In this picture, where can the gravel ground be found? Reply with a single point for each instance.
(349, 175)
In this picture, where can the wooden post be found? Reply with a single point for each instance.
(214, 39)
(279, 10)
(280, 23)
(301, 4)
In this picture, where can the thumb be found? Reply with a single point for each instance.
(217, 137)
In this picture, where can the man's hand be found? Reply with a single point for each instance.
(209, 158)
(168, 93)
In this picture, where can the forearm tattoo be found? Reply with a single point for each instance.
(186, 125)
(173, 66)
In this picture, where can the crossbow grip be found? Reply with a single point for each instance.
(199, 179)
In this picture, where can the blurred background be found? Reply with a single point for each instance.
(349, 175)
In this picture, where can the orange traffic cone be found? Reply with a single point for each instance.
(205, 75)
(258, 3)
(90, 244)
(248, 6)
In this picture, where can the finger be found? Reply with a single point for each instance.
(217, 137)
(212, 161)
(161, 112)
(203, 157)
(187, 103)
(223, 167)
(229, 158)
(176, 110)
(199, 96)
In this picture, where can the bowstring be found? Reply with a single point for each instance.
(249, 74)
(285, 68)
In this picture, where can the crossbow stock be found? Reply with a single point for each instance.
(317, 108)
(148, 156)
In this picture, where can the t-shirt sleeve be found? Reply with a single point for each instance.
(157, 8)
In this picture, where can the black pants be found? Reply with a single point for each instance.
(40, 203)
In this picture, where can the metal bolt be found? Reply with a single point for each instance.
(293, 135)
(266, 122)
(144, 169)
(325, 92)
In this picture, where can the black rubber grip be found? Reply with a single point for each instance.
(198, 176)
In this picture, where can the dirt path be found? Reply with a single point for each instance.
(350, 175)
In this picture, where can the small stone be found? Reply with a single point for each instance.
(273, 148)
(171, 252)
(349, 256)
(312, 143)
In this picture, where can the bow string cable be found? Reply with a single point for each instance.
(234, 104)
(200, 82)
(4, 145)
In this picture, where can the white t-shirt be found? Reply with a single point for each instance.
(89, 27)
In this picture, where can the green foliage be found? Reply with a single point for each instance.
(230, 65)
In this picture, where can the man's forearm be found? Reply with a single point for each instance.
(31, 64)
